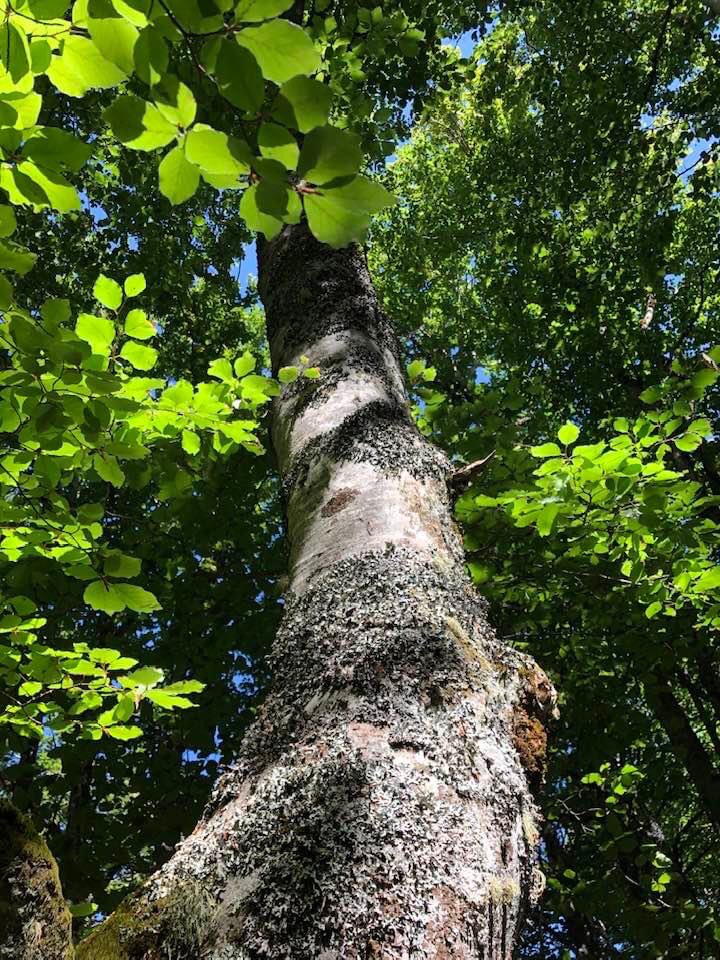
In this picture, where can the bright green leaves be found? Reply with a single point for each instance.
(108, 292)
(179, 179)
(134, 284)
(80, 67)
(249, 10)
(102, 596)
(339, 208)
(568, 434)
(99, 332)
(303, 104)
(236, 72)
(282, 49)
(277, 143)
(139, 325)
(140, 356)
(150, 56)
(216, 153)
(266, 205)
(139, 124)
(127, 38)
(327, 154)
(108, 469)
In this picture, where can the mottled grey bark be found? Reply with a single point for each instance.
(381, 805)
(35, 923)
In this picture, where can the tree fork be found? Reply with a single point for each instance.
(382, 802)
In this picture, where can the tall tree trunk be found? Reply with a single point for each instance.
(35, 923)
(381, 805)
(686, 745)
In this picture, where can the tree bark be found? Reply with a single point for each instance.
(382, 803)
(686, 745)
(35, 923)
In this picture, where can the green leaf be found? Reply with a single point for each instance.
(139, 124)
(81, 66)
(121, 732)
(139, 325)
(56, 149)
(190, 442)
(108, 292)
(254, 217)
(44, 187)
(150, 55)
(103, 596)
(97, 331)
(651, 394)
(114, 37)
(278, 144)
(703, 379)
(16, 258)
(360, 194)
(244, 365)
(141, 357)
(14, 51)
(217, 153)
(288, 374)
(175, 101)
(282, 49)
(303, 104)
(653, 609)
(168, 701)
(236, 71)
(108, 469)
(135, 284)
(546, 518)
(8, 223)
(328, 154)
(710, 580)
(568, 434)
(222, 369)
(85, 909)
(248, 10)
(688, 443)
(144, 677)
(334, 224)
(135, 598)
(179, 179)
(546, 450)
(120, 565)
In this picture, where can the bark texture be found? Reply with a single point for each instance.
(35, 923)
(382, 804)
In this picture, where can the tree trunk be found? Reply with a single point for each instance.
(35, 923)
(381, 806)
(685, 744)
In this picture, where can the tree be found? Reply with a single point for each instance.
(417, 729)
(516, 247)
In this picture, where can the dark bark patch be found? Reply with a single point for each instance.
(337, 503)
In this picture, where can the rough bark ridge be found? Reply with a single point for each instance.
(381, 806)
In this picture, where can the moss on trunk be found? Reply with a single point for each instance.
(35, 923)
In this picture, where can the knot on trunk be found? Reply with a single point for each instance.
(534, 712)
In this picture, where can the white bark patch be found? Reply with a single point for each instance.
(363, 510)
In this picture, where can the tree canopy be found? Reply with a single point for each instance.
(546, 239)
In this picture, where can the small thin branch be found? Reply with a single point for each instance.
(465, 475)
